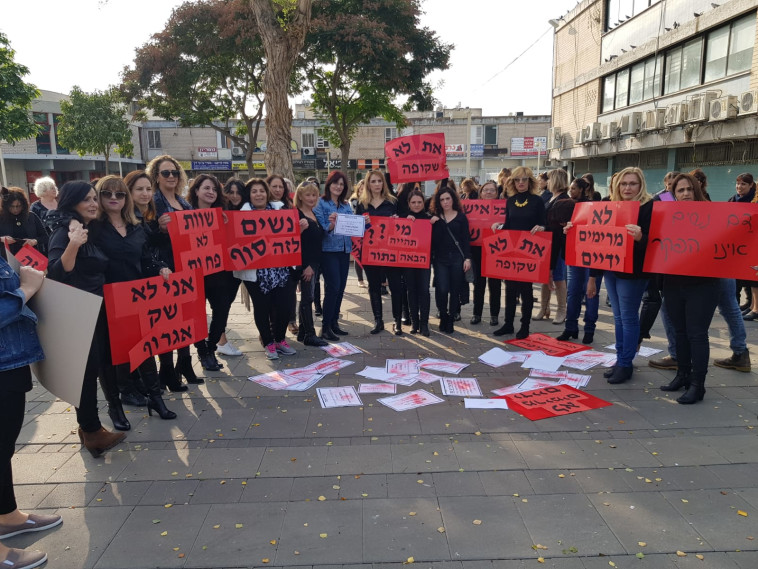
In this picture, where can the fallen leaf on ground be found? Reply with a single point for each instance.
(741, 513)
(477, 522)
(681, 554)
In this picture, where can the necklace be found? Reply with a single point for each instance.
(521, 204)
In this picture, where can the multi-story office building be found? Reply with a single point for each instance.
(660, 84)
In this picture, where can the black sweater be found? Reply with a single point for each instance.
(385, 209)
(23, 228)
(91, 263)
(444, 249)
(129, 258)
(311, 242)
(524, 211)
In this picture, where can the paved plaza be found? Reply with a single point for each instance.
(250, 477)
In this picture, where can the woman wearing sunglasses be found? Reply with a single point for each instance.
(124, 241)
(168, 179)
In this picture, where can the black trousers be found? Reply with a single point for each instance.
(481, 283)
(690, 307)
(220, 291)
(97, 362)
(271, 310)
(419, 299)
(375, 276)
(448, 281)
(514, 290)
(12, 407)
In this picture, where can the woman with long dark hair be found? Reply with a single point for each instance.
(335, 257)
(488, 191)
(75, 260)
(221, 287)
(417, 280)
(19, 226)
(124, 241)
(451, 254)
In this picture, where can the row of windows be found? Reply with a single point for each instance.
(722, 52)
(619, 11)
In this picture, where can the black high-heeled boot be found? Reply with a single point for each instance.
(109, 377)
(156, 403)
(397, 328)
(117, 415)
(567, 336)
(681, 379)
(695, 391)
(184, 367)
(167, 375)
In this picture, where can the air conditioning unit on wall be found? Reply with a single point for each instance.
(654, 120)
(699, 106)
(592, 132)
(630, 123)
(554, 138)
(676, 114)
(748, 102)
(610, 130)
(308, 151)
(723, 108)
(238, 151)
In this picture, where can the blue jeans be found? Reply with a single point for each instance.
(626, 297)
(559, 272)
(668, 328)
(577, 289)
(334, 267)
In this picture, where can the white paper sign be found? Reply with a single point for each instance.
(338, 397)
(390, 388)
(433, 364)
(329, 365)
(410, 400)
(538, 360)
(350, 225)
(497, 357)
(485, 403)
(402, 366)
(341, 349)
(426, 377)
(460, 386)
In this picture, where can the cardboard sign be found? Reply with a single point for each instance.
(703, 239)
(552, 401)
(396, 242)
(599, 238)
(197, 239)
(153, 316)
(356, 248)
(481, 214)
(263, 239)
(517, 256)
(28, 256)
(548, 345)
(417, 158)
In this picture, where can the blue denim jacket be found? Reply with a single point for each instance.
(333, 243)
(19, 344)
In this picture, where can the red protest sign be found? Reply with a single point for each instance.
(396, 242)
(417, 158)
(599, 239)
(28, 256)
(154, 316)
(549, 345)
(481, 214)
(197, 239)
(356, 245)
(552, 402)
(703, 239)
(517, 256)
(263, 239)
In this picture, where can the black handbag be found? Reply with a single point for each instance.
(469, 275)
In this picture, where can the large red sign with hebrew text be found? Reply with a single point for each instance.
(28, 256)
(703, 239)
(481, 214)
(153, 316)
(417, 158)
(396, 242)
(263, 239)
(599, 238)
(517, 256)
(197, 240)
(552, 402)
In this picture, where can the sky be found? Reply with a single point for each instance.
(88, 42)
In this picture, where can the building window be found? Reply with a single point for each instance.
(321, 140)
(490, 135)
(741, 45)
(622, 88)
(637, 83)
(43, 138)
(653, 77)
(154, 140)
(673, 71)
(716, 52)
(477, 134)
(58, 148)
(390, 132)
(609, 93)
(692, 58)
(307, 138)
(619, 11)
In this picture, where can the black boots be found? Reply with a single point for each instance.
(149, 375)
(695, 390)
(681, 379)
(184, 368)
(156, 403)
(378, 326)
(567, 336)
(423, 329)
(506, 328)
(167, 374)
(327, 334)
(307, 331)
(397, 328)
(620, 375)
(109, 385)
(207, 356)
(376, 308)
(523, 332)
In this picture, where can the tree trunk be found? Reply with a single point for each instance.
(107, 154)
(345, 154)
(282, 46)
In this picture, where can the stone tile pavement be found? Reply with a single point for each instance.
(249, 477)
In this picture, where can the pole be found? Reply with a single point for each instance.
(468, 146)
(2, 167)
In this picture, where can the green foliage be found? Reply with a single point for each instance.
(94, 123)
(360, 55)
(205, 68)
(15, 97)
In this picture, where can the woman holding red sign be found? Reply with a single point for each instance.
(18, 225)
(625, 289)
(377, 201)
(417, 280)
(524, 211)
(221, 287)
(488, 191)
(690, 303)
(124, 241)
(269, 289)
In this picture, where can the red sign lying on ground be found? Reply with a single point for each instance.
(197, 239)
(703, 239)
(481, 214)
(396, 242)
(153, 316)
(263, 239)
(517, 256)
(552, 402)
(599, 238)
(28, 256)
(416, 158)
(549, 345)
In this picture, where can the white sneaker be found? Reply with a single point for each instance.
(271, 352)
(228, 350)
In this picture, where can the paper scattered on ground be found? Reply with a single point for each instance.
(562, 377)
(498, 357)
(485, 403)
(341, 349)
(390, 388)
(410, 400)
(433, 364)
(588, 359)
(404, 367)
(377, 373)
(644, 351)
(538, 360)
(426, 377)
(329, 365)
(280, 380)
(338, 397)
(460, 387)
